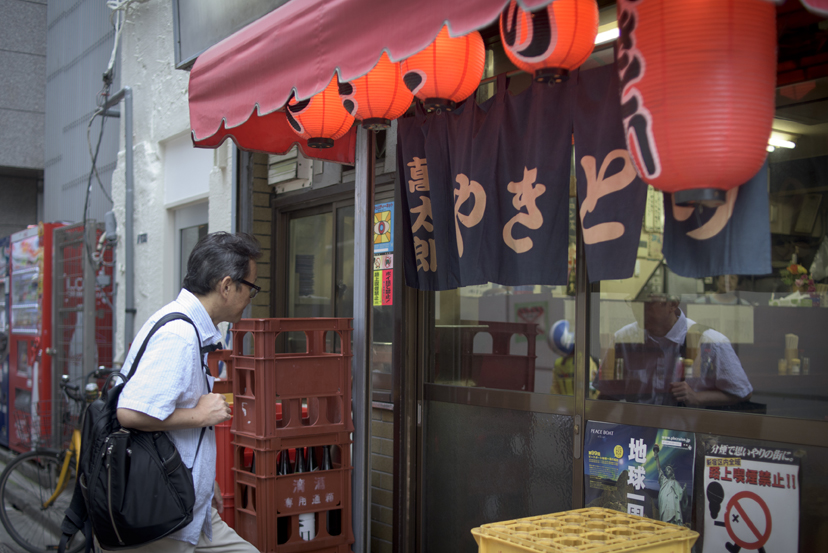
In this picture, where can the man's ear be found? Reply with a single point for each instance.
(224, 286)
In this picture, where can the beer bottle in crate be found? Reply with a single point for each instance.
(283, 523)
(307, 521)
(334, 517)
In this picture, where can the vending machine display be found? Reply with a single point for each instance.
(30, 307)
(4, 341)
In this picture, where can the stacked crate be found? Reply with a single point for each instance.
(269, 390)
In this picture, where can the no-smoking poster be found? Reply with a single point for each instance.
(751, 499)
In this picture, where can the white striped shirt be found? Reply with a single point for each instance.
(169, 377)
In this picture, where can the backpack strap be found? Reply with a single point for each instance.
(201, 349)
(76, 520)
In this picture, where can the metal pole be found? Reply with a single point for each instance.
(89, 346)
(129, 240)
(363, 308)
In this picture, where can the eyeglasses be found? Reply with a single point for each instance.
(253, 288)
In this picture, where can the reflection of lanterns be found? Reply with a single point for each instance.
(320, 119)
(378, 97)
(697, 90)
(447, 71)
(552, 41)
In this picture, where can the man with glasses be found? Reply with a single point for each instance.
(171, 392)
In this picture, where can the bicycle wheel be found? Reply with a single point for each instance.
(26, 484)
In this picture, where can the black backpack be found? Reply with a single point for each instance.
(132, 487)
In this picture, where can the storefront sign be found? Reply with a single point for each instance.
(486, 188)
(733, 238)
(485, 191)
(752, 499)
(640, 471)
(611, 195)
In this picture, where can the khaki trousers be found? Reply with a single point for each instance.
(225, 540)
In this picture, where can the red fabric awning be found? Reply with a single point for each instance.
(238, 84)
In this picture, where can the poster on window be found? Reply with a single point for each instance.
(751, 499)
(384, 227)
(640, 471)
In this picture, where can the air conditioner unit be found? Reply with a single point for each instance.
(290, 171)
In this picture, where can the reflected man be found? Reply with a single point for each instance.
(652, 367)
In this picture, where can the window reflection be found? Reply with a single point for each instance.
(738, 342)
(505, 338)
(666, 358)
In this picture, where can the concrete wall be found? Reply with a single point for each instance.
(160, 115)
(80, 38)
(22, 105)
(23, 86)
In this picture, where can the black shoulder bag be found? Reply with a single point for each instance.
(132, 486)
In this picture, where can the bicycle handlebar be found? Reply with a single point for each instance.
(74, 392)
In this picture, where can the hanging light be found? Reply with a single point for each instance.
(447, 72)
(320, 119)
(552, 41)
(697, 90)
(378, 97)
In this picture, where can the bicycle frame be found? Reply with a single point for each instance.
(72, 451)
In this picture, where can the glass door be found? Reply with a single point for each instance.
(320, 276)
(499, 422)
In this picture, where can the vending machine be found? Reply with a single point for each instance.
(30, 309)
(4, 341)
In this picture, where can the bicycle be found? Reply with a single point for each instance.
(37, 486)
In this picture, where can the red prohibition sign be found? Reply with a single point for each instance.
(761, 538)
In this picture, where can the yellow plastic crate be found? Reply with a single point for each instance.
(594, 529)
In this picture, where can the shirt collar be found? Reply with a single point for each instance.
(679, 330)
(194, 308)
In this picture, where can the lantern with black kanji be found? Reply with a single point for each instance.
(552, 41)
(447, 72)
(320, 119)
(697, 89)
(378, 97)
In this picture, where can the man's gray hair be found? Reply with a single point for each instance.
(217, 255)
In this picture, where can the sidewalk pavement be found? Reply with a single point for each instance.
(7, 545)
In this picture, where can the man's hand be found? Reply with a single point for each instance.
(684, 393)
(214, 409)
(218, 502)
(210, 410)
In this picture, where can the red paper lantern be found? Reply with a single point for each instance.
(447, 72)
(552, 41)
(378, 97)
(697, 92)
(320, 119)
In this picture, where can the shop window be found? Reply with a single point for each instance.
(501, 337)
(751, 343)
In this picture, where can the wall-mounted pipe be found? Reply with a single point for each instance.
(125, 94)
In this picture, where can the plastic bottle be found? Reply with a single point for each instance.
(334, 517)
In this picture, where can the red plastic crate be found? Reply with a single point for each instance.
(229, 513)
(318, 378)
(264, 332)
(224, 455)
(257, 522)
(262, 497)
